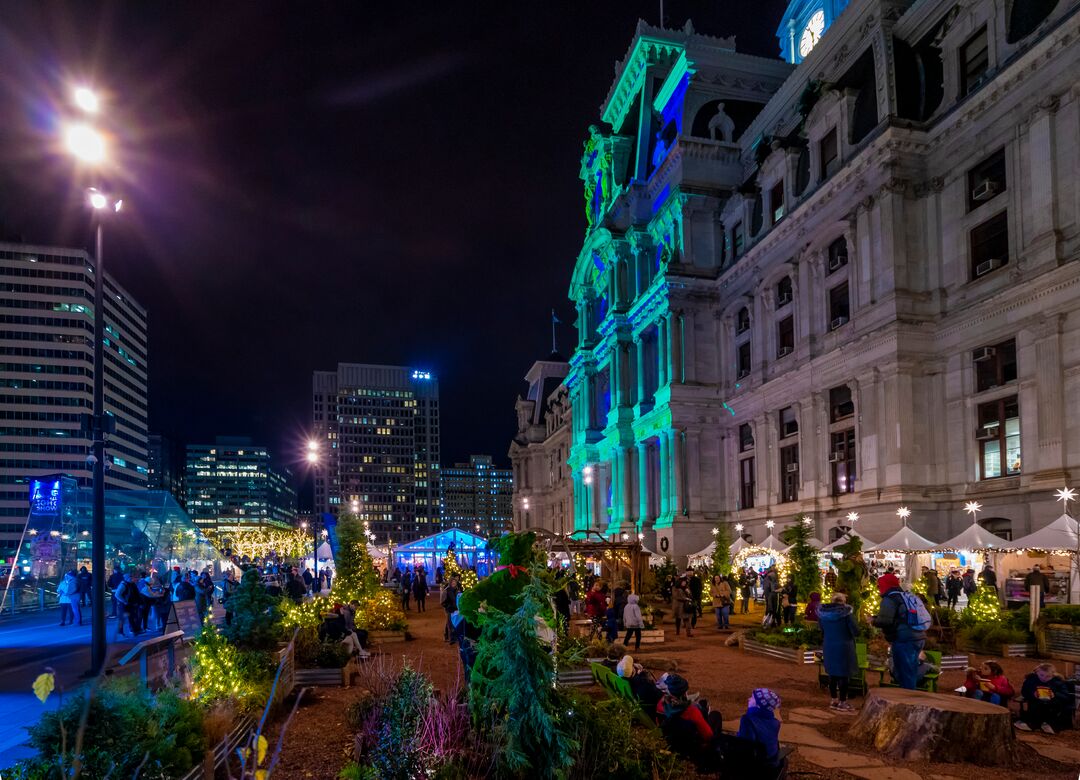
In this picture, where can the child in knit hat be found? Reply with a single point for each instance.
(761, 723)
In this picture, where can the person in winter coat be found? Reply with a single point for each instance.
(229, 586)
(930, 582)
(1048, 700)
(67, 593)
(789, 598)
(405, 589)
(696, 589)
(689, 727)
(126, 596)
(1036, 577)
(85, 583)
(761, 723)
(968, 583)
(905, 640)
(720, 592)
(448, 601)
(204, 595)
(989, 683)
(988, 576)
(619, 597)
(633, 621)
(954, 585)
(114, 581)
(595, 603)
(683, 608)
(746, 590)
(770, 591)
(420, 591)
(813, 607)
(839, 631)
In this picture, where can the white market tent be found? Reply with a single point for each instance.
(905, 540)
(324, 552)
(770, 542)
(974, 538)
(1059, 535)
(655, 559)
(738, 545)
(813, 541)
(701, 556)
(845, 539)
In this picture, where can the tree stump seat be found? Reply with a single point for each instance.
(913, 725)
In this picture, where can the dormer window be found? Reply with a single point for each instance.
(784, 292)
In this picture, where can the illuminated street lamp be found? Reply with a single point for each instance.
(88, 146)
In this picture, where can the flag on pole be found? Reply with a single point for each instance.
(554, 319)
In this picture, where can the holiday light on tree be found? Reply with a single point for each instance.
(466, 577)
(983, 606)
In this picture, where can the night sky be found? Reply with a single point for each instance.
(308, 183)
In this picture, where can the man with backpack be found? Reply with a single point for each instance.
(904, 619)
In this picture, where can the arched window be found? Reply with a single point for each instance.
(1002, 526)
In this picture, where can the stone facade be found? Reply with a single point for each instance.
(543, 491)
(868, 298)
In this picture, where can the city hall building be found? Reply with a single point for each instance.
(840, 281)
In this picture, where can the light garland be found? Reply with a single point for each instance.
(255, 543)
(983, 606)
(451, 568)
(216, 673)
(782, 562)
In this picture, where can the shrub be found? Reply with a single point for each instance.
(312, 653)
(1068, 614)
(804, 559)
(222, 672)
(395, 755)
(126, 726)
(799, 635)
(356, 576)
(992, 635)
(254, 615)
(381, 612)
(982, 607)
(610, 746)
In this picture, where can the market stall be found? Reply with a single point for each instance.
(906, 551)
(1055, 550)
(972, 548)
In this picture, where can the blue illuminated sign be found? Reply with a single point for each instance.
(45, 495)
(425, 375)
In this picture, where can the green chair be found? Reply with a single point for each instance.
(618, 688)
(929, 683)
(857, 681)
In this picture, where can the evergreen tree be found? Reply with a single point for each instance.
(356, 576)
(255, 615)
(721, 557)
(983, 607)
(852, 577)
(804, 558)
(512, 695)
(451, 568)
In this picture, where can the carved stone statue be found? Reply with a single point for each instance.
(723, 123)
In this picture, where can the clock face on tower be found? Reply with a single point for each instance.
(812, 33)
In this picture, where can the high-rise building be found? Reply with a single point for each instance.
(166, 461)
(234, 483)
(478, 497)
(46, 377)
(377, 428)
(837, 283)
(543, 489)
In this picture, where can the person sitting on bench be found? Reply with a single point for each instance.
(689, 727)
(334, 629)
(761, 724)
(1047, 699)
(641, 683)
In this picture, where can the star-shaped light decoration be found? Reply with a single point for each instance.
(739, 527)
(808, 521)
(1065, 495)
(769, 524)
(852, 518)
(903, 513)
(715, 531)
(973, 508)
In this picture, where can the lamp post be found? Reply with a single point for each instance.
(88, 146)
(313, 461)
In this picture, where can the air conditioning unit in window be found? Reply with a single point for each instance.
(836, 457)
(838, 261)
(837, 322)
(985, 191)
(985, 434)
(983, 354)
(987, 266)
(783, 300)
(792, 468)
(784, 352)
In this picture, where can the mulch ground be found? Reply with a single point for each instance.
(319, 742)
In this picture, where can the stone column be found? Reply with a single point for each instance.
(1050, 381)
(665, 474)
(620, 497)
(678, 474)
(693, 472)
(1042, 174)
(663, 344)
(643, 483)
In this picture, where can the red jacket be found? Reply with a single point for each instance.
(595, 604)
(999, 685)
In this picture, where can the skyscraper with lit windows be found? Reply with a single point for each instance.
(46, 377)
(378, 433)
(478, 497)
(235, 483)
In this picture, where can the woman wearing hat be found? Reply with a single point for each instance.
(686, 726)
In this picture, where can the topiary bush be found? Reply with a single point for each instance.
(396, 754)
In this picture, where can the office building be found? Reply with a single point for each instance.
(377, 431)
(543, 489)
(166, 461)
(235, 483)
(46, 377)
(477, 497)
(841, 281)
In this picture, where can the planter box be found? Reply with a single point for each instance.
(1005, 651)
(796, 655)
(651, 636)
(954, 663)
(1062, 642)
(578, 678)
(320, 677)
(384, 636)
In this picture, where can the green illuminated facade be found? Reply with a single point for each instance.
(643, 380)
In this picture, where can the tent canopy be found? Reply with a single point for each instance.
(738, 545)
(1059, 535)
(846, 538)
(655, 559)
(974, 537)
(770, 542)
(904, 540)
(324, 551)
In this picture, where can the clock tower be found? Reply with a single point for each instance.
(804, 22)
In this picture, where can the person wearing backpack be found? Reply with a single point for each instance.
(903, 618)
